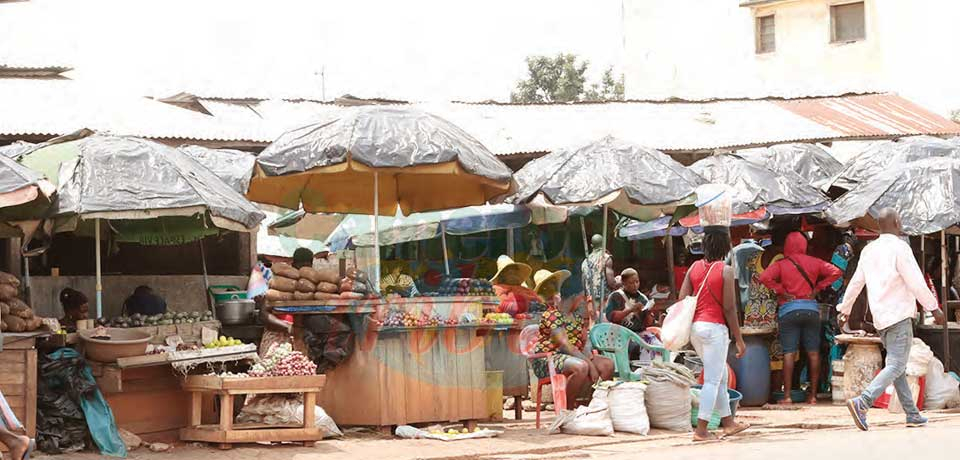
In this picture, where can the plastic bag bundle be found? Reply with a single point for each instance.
(628, 409)
(592, 420)
(943, 390)
(918, 363)
(281, 409)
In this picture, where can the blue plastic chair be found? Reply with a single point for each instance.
(613, 341)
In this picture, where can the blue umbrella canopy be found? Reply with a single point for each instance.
(423, 226)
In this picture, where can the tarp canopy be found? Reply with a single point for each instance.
(880, 156)
(424, 226)
(305, 225)
(16, 149)
(633, 180)
(420, 161)
(757, 187)
(25, 198)
(811, 162)
(926, 193)
(232, 166)
(128, 178)
(637, 230)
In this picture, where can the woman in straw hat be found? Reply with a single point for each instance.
(509, 283)
(563, 333)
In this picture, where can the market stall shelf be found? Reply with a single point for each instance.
(226, 433)
(18, 378)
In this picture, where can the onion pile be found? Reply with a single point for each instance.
(282, 361)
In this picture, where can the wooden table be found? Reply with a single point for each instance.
(18, 378)
(226, 432)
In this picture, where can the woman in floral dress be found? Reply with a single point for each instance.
(563, 333)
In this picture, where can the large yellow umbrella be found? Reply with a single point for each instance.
(373, 159)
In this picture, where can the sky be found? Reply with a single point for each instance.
(422, 50)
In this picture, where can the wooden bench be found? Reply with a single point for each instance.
(227, 433)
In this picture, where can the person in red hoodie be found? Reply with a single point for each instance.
(797, 279)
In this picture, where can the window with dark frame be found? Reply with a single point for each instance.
(848, 22)
(766, 35)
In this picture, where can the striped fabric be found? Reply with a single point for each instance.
(9, 419)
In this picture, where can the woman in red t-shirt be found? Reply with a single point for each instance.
(714, 320)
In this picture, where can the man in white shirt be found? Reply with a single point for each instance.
(894, 286)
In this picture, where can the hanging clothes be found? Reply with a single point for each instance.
(760, 310)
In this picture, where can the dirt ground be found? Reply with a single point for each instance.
(772, 431)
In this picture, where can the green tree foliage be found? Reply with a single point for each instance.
(563, 79)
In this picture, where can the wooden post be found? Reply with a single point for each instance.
(668, 246)
(944, 296)
(226, 412)
(196, 409)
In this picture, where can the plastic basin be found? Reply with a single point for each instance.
(797, 396)
(122, 343)
(714, 423)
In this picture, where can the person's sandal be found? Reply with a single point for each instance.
(710, 438)
(739, 428)
(30, 448)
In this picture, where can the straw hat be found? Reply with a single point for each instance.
(542, 276)
(505, 261)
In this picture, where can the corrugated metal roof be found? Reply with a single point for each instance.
(508, 129)
(56, 107)
(871, 115)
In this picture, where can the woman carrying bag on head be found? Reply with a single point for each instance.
(714, 319)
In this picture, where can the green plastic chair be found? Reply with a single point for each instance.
(612, 341)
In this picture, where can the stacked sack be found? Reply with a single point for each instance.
(15, 314)
(307, 283)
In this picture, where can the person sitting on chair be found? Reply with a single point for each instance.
(562, 333)
(629, 308)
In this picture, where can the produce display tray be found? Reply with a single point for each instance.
(307, 307)
(487, 300)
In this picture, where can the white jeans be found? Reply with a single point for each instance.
(711, 340)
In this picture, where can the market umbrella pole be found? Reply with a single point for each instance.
(668, 246)
(443, 241)
(583, 233)
(946, 305)
(603, 265)
(206, 278)
(96, 239)
(376, 232)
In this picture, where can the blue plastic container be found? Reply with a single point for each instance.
(753, 371)
(714, 423)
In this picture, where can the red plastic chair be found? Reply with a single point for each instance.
(557, 382)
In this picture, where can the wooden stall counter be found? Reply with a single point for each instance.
(18, 378)
(147, 400)
(399, 376)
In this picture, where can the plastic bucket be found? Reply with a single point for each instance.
(715, 204)
(494, 389)
(224, 293)
(714, 422)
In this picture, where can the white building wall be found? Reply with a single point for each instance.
(701, 49)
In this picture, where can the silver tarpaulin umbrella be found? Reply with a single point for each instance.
(757, 186)
(879, 156)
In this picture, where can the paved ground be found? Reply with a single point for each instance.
(790, 434)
